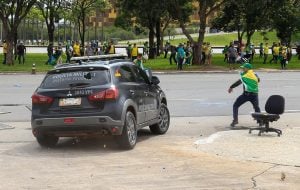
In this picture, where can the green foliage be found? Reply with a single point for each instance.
(123, 21)
(121, 34)
(180, 10)
(245, 16)
(286, 19)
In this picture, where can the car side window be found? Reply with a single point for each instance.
(141, 76)
(124, 74)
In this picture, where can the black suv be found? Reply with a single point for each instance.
(99, 97)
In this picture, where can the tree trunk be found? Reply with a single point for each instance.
(198, 49)
(249, 36)
(151, 44)
(196, 54)
(51, 34)
(240, 37)
(15, 42)
(82, 36)
(10, 48)
(158, 34)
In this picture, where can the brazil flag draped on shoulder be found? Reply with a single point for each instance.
(250, 81)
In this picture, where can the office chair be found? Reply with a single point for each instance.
(274, 107)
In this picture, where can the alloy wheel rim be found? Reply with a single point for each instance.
(164, 118)
(131, 130)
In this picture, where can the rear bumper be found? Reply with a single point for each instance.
(77, 126)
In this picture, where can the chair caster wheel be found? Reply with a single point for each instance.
(259, 134)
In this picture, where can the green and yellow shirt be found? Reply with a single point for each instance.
(250, 81)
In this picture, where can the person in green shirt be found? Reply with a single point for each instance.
(250, 81)
(139, 61)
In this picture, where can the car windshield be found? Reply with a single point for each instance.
(76, 79)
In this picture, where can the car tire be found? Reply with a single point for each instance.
(128, 138)
(47, 140)
(163, 122)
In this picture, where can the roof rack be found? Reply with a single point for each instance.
(99, 57)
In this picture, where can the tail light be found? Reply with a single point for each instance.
(109, 94)
(40, 99)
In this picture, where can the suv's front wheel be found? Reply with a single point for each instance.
(128, 138)
(163, 122)
(47, 140)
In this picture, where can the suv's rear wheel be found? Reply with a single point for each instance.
(47, 140)
(129, 134)
(164, 121)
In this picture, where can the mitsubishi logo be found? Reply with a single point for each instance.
(69, 94)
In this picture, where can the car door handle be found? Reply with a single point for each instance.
(132, 91)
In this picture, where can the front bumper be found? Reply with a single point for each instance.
(76, 126)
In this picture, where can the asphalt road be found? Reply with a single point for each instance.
(192, 95)
(170, 161)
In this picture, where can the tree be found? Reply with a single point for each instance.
(35, 16)
(12, 12)
(148, 14)
(245, 16)
(286, 19)
(84, 8)
(178, 9)
(50, 10)
(229, 20)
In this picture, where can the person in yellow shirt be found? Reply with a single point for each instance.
(134, 52)
(111, 48)
(283, 56)
(4, 51)
(276, 50)
(266, 52)
(76, 49)
(208, 52)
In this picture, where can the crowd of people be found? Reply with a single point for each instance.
(281, 53)
(75, 49)
(183, 54)
(20, 52)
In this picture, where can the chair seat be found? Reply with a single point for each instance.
(265, 116)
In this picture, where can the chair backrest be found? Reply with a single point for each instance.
(275, 104)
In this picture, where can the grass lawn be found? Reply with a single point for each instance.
(225, 39)
(157, 64)
(218, 64)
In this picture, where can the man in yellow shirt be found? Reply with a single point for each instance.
(266, 52)
(111, 48)
(76, 49)
(134, 52)
(4, 51)
(276, 50)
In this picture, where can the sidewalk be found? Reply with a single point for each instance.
(271, 162)
(190, 156)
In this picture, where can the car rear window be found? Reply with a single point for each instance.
(76, 79)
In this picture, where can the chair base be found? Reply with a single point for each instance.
(264, 120)
(266, 130)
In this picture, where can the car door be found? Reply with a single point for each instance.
(132, 90)
(150, 95)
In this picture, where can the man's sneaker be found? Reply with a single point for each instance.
(234, 123)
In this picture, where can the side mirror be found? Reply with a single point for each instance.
(155, 80)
